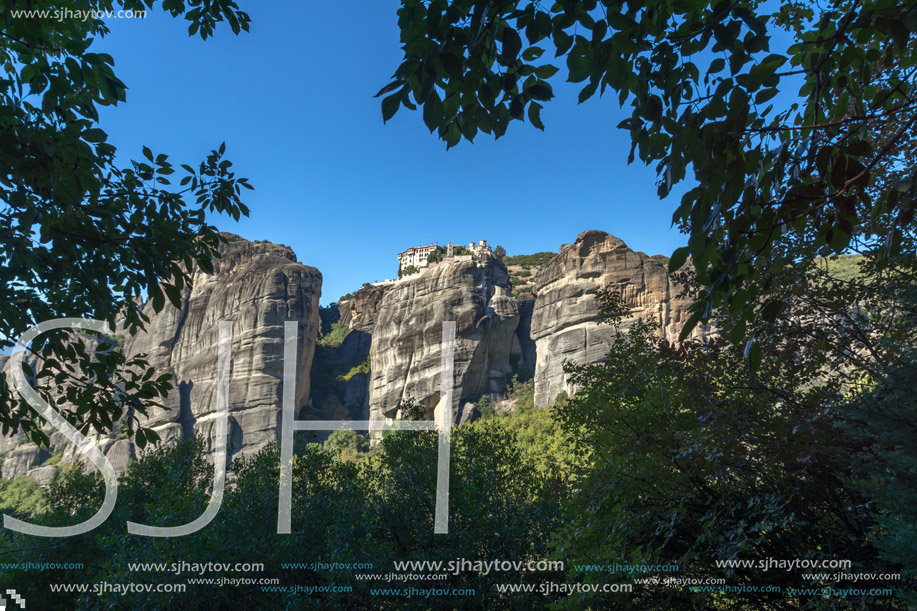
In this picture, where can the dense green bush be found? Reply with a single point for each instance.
(435, 256)
(695, 459)
(375, 508)
(335, 336)
(537, 259)
(23, 498)
(346, 443)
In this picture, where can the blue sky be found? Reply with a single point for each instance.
(293, 99)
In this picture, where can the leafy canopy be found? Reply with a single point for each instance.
(80, 234)
(791, 117)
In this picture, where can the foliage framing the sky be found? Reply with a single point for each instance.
(795, 119)
(81, 235)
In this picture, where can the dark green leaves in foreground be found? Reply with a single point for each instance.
(797, 122)
(81, 235)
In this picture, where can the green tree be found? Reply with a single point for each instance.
(81, 234)
(485, 407)
(436, 256)
(347, 442)
(22, 497)
(499, 507)
(407, 271)
(881, 416)
(696, 459)
(792, 117)
(539, 437)
(500, 251)
(372, 511)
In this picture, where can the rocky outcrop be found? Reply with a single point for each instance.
(256, 285)
(407, 335)
(20, 460)
(392, 351)
(360, 313)
(362, 308)
(565, 322)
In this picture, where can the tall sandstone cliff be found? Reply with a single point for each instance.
(407, 335)
(256, 285)
(565, 321)
(397, 326)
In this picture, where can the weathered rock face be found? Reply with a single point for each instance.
(258, 286)
(361, 310)
(255, 285)
(360, 313)
(407, 335)
(397, 326)
(565, 322)
(22, 459)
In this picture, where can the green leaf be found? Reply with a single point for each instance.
(515, 108)
(546, 71)
(156, 297)
(754, 357)
(678, 258)
(433, 111)
(512, 44)
(29, 72)
(689, 326)
(532, 53)
(94, 135)
(579, 65)
(390, 106)
(206, 265)
(587, 92)
(765, 94)
(174, 294)
(770, 312)
(535, 115)
(452, 135)
(542, 92)
(737, 334)
(390, 87)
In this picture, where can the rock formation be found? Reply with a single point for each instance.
(392, 350)
(565, 322)
(256, 285)
(407, 335)
(360, 313)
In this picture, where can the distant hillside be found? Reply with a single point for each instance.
(842, 267)
(522, 270)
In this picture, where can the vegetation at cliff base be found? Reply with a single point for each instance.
(368, 510)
